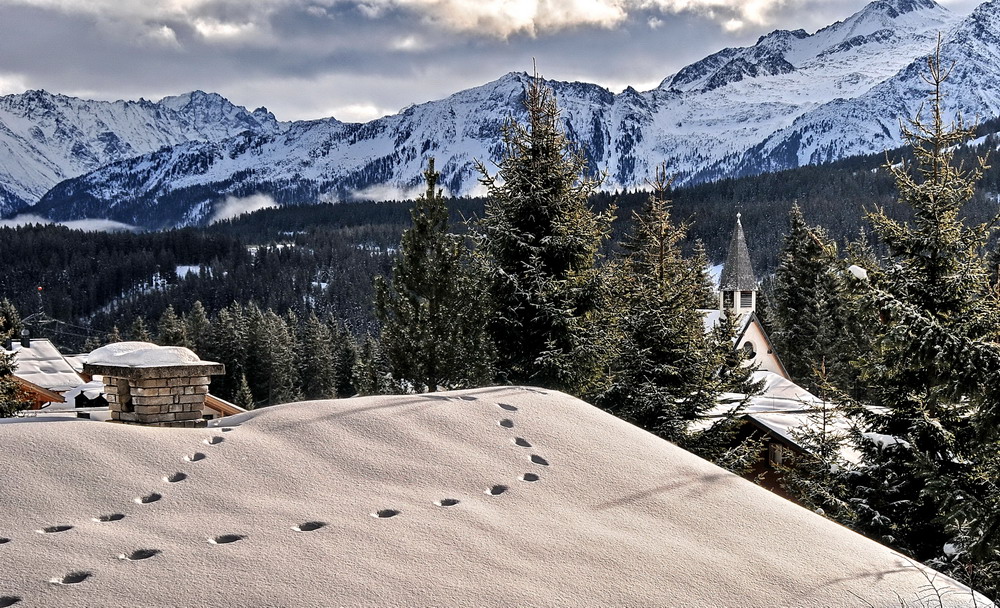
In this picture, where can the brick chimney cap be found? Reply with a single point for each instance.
(156, 361)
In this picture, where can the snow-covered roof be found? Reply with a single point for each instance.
(42, 364)
(143, 354)
(499, 496)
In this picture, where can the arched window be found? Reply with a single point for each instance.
(749, 349)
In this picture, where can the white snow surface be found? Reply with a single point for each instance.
(42, 364)
(616, 516)
(142, 354)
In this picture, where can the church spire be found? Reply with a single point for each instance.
(738, 285)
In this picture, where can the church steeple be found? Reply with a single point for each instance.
(738, 285)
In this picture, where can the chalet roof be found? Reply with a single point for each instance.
(463, 498)
(42, 364)
(737, 272)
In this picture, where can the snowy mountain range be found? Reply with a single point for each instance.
(792, 98)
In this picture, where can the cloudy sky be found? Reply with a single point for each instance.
(358, 60)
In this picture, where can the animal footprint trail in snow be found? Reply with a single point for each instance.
(148, 498)
(225, 539)
(139, 555)
(197, 456)
(175, 477)
(73, 578)
(309, 526)
(109, 517)
(214, 440)
(54, 529)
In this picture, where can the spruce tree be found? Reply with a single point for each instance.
(541, 240)
(272, 368)
(931, 474)
(10, 320)
(139, 332)
(198, 329)
(809, 306)
(229, 345)
(170, 330)
(345, 359)
(244, 396)
(663, 370)
(10, 393)
(318, 365)
(433, 314)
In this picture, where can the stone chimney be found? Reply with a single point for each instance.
(153, 385)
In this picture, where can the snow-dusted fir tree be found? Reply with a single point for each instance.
(199, 328)
(541, 240)
(662, 371)
(170, 330)
(10, 320)
(934, 371)
(318, 366)
(244, 396)
(229, 344)
(272, 357)
(809, 305)
(432, 312)
(139, 332)
(10, 393)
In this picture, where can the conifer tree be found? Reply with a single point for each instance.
(931, 476)
(171, 330)
(113, 336)
(139, 332)
(541, 240)
(10, 320)
(662, 371)
(318, 366)
(371, 371)
(229, 345)
(433, 316)
(808, 313)
(198, 328)
(244, 396)
(272, 363)
(345, 359)
(10, 393)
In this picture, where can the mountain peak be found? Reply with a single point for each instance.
(895, 8)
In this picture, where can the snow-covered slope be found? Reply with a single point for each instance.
(502, 496)
(791, 98)
(47, 138)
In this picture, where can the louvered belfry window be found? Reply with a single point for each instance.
(746, 299)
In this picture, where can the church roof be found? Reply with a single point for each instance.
(737, 272)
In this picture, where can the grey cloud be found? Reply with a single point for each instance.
(311, 58)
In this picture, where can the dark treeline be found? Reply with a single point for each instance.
(324, 257)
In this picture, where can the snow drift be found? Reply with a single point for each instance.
(499, 497)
